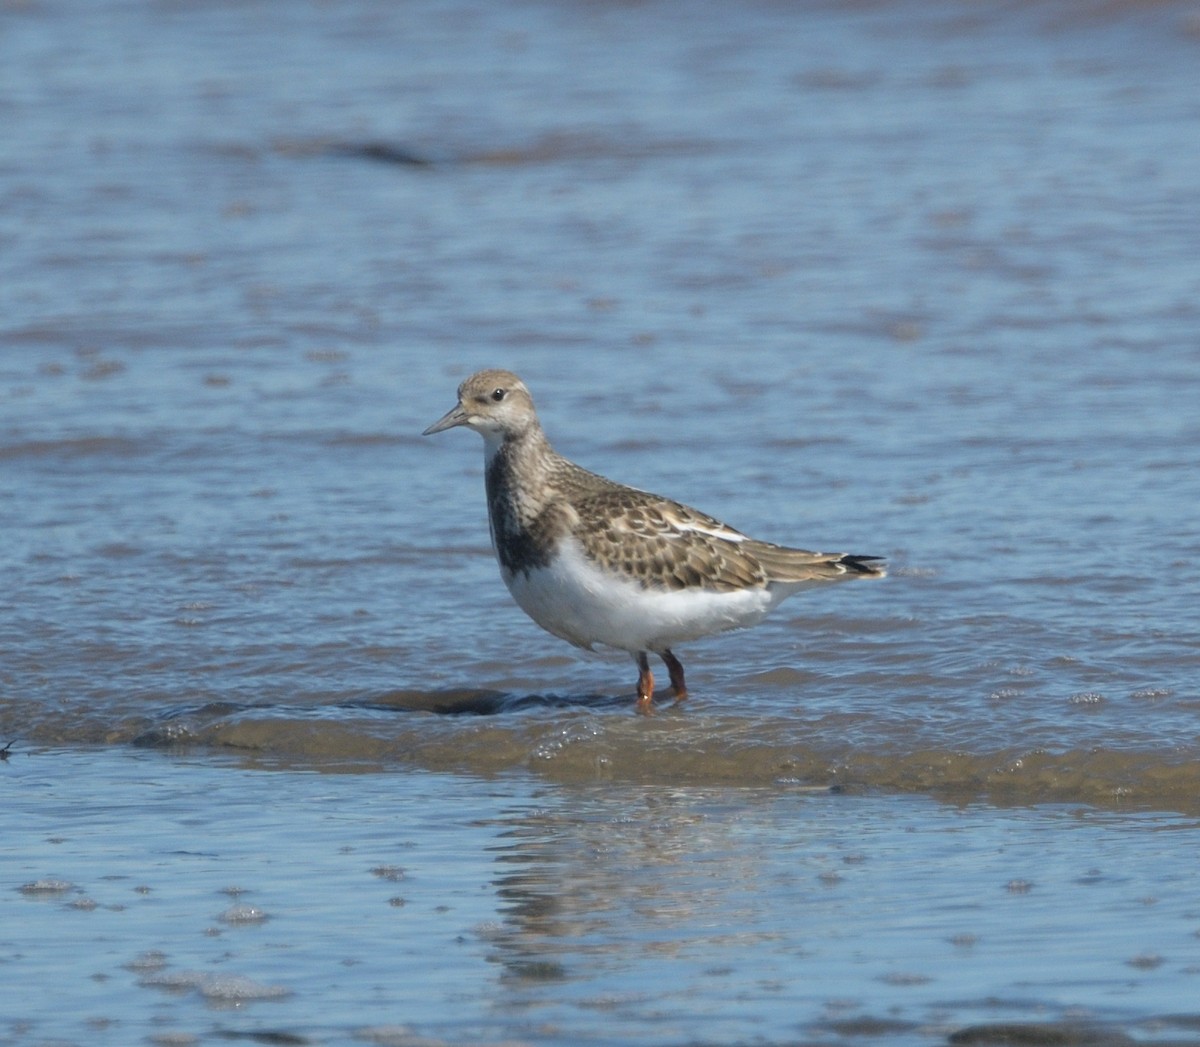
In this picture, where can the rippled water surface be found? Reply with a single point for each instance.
(910, 279)
(421, 909)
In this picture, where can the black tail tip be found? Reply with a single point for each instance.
(864, 564)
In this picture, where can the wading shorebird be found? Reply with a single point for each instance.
(595, 562)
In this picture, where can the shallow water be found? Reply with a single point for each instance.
(427, 909)
(903, 279)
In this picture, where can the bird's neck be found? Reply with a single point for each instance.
(515, 474)
(524, 453)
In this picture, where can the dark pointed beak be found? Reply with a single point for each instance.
(455, 416)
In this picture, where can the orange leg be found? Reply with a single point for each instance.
(675, 668)
(645, 702)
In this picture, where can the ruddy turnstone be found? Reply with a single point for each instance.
(595, 562)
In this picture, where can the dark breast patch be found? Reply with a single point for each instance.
(523, 536)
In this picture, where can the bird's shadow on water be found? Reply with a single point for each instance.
(482, 702)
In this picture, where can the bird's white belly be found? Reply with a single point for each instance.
(574, 600)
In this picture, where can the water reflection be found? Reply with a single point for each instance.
(850, 916)
(579, 889)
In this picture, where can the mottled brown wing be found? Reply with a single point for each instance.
(663, 544)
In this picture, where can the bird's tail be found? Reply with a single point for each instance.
(793, 566)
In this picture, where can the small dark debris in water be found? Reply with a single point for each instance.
(1019, 886)
(1018, 1035)
(394, 873)
(4, 753)
(380, 152)
(273, 1036)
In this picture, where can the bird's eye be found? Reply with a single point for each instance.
(499, 394)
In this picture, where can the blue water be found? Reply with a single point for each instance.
(182, 901)
(905, 279)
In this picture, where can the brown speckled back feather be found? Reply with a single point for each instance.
(665, 544)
